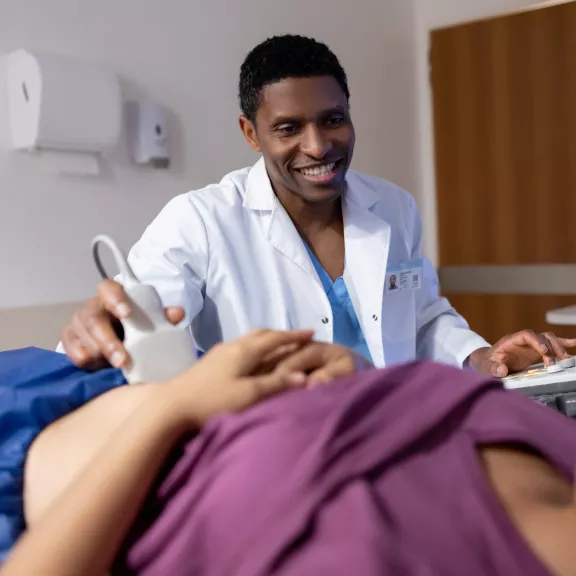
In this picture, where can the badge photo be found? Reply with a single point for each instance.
(403, 277)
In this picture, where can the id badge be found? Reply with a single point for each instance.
(404, 277)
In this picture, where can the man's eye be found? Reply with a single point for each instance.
(335, 121)
(287, 129)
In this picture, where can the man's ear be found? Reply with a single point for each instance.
(249, 130)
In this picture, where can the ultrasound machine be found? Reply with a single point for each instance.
(554, 386)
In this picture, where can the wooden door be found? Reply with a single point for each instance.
(504, 104)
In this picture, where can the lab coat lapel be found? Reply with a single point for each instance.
(367, 242)
(283, 236)
(279, 229)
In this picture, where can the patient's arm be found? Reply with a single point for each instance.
(80, 530)
(65, 448)
(119, 443)
(539, 501)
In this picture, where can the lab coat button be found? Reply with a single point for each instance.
(325, 320)
(375, 318)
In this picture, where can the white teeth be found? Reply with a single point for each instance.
(319, 170)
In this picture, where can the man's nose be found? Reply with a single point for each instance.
(315, 143)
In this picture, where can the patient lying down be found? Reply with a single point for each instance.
(418, 469)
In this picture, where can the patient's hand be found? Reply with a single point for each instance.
(324, 362)
(230, 377)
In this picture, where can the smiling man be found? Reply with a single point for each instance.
(299, 241)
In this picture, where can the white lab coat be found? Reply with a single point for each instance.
(231, 256)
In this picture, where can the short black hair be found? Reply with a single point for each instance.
(281, 57)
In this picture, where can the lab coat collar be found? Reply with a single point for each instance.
(366, 234)
(366, 237)
(279, 228)
(260, 194)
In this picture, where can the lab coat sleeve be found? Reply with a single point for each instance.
(442, 334)
(173, 256)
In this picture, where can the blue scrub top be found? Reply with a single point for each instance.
(346, 329)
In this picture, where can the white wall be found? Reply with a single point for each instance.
(431, 14)
(187, 56)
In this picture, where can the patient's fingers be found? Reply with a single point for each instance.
(333, 371)
(271, 361)
(253, 349)
(265, 341)
(311, 357)
(324, 362)
(340, 367)
(262, 387)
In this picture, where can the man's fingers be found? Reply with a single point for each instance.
(93, 325)
(497, 369)
(174, 315)
(74, 348)
(556, 345)
(536, 341)
(88, 342)
(114, 299)
(527, 338)
(568, 342)
(99, 326)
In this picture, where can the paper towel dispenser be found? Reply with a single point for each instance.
(62, 103)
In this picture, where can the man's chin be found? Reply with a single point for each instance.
(321, 195)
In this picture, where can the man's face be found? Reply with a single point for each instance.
(304, 132)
